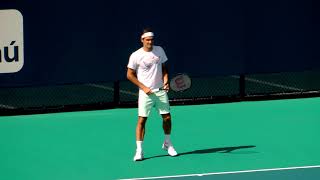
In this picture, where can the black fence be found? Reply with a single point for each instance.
(76, 53)
(104, 95)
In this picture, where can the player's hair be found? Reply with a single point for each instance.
(147, 29)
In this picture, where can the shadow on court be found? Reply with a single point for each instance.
(207, 151)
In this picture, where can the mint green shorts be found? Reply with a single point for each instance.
(158, 99)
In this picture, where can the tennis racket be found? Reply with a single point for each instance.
(179, 83)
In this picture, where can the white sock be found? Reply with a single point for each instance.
(167, 139)
(139, 145)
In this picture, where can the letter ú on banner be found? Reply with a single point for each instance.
(11, 41)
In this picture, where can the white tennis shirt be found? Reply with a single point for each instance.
(148, 66)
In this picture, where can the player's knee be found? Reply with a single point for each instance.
(167, 118)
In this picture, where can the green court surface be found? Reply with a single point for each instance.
(212, 140)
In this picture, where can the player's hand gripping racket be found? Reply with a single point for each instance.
(179, 83)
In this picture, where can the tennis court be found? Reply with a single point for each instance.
(249, 108)
(242, 140)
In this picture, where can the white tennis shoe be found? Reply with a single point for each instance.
(138, 156)
(169, 147)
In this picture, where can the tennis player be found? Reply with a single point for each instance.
(147, 70)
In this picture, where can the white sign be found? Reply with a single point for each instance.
(11, 41)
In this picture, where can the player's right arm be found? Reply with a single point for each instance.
(132, 76)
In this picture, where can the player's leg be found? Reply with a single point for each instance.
(167, 144)
(145, 104)
(140, 129)
(163, 106)
(166, 124)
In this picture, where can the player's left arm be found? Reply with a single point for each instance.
(165, 75)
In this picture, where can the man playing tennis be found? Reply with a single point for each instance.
(147, 70)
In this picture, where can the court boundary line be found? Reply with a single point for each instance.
(226, 172)
(271, 84)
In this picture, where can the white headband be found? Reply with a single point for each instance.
(147, 34)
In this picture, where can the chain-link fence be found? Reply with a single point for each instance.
(17, 100)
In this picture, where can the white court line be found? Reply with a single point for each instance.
(111, 89)
(270, 84)
(227, 172)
